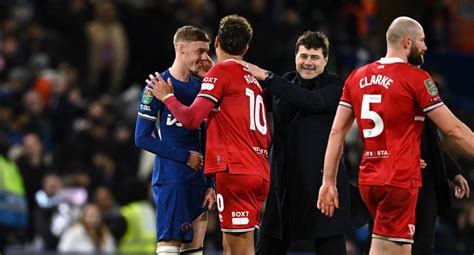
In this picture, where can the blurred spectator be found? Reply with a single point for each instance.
(45, 47)
(466, 226)
(124, 152)
(35, 106)
(89, 235)
(58, 207)
(108, 50)
(89, 135)
(140, 235)
(40, 40)
(32, 167)
(110, 210)
(65, 102)
(47, 201)
(16, 84)
(13, 207)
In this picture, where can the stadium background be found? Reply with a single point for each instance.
(70, 72)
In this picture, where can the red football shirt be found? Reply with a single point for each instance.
(238, 134)
(389, 99)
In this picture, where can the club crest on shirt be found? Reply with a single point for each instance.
(186, 226)
(147, 97)
(431, 87)
(411, 228)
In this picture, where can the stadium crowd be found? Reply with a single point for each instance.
(71, 72)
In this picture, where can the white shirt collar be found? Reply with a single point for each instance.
(390, 60)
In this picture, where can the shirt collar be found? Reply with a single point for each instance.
(390, 60)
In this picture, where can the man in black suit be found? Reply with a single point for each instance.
(303, 107)
(434, 196)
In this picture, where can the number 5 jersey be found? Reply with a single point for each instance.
(389, 99)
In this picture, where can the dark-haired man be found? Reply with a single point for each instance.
(180, 189)
(304, 104)
(237, 137)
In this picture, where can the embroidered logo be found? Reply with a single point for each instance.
(431, 87)
(186, 226)
(147, 97)
(411, 227)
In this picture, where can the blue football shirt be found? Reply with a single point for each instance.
(158, 131)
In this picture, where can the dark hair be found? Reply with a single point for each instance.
(313, 40)
(190, 34)
(235, 32)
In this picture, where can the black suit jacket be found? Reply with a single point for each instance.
(441, 166)
(303, 112)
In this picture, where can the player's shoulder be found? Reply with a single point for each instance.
(146, 96)
(195, 80)
(166, 74)
(415, 70)
(229, 65)
(224, 69)
(220, 66)
(334, 79)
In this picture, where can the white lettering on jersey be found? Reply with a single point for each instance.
(260, 151)
(170, 121)
(240, 214)
(145, 107)
(377, 154)
(209, 80)
(250, 79)
(240, 218)
(207, 86)
(381, 80)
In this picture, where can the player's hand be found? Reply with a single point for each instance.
(461, 187)
(204, 67)
(328, 199)
(423, 164)
(195, 160)
(209, 199)
(159, 87)
(257, 72)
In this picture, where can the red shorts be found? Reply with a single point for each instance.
(393, 210)
(239, 200)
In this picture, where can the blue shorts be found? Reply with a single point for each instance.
(177, 206)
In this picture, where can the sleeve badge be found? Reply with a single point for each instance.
(147, 97)
(431, 87)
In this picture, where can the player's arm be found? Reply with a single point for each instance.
(144, 139)
(328, 198)
(453, 171)
(453, 128)
(325, 99)
(147, 140)
(209, 199)
(191, 117)
(321, 100)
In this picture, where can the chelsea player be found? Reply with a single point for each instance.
(181, 192)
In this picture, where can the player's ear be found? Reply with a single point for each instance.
(407, 42)
(245, 50)
(181, 48)
(216, 42)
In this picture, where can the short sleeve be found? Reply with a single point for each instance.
(212, 85)
(346, 97)
(426, 92)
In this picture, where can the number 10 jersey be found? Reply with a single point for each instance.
(238, 134)
(389, 99)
